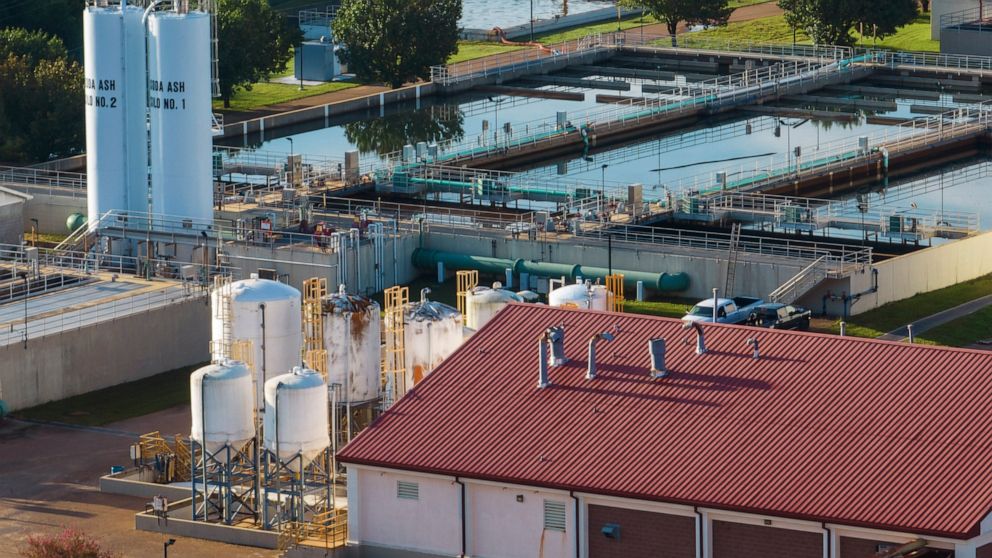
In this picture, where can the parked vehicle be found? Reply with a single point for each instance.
(729, 310)
(780, 316)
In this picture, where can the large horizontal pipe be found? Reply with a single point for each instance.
(428, 260)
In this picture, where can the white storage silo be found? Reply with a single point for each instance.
(114, 85)
(352, 338)
(482, 303)
(296, 420)
(222, 405)
(587, 295)
(264, 312)
(179, 99)
(431, 332)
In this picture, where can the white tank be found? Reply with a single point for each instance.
(277, 348)
(587, 295)
(296, 416)
(114, 69)
(352, 338)
(223, 406)
(482, 303)
(431, 332)
(179, 97)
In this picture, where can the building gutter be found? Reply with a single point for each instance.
(828, 540)
(699, 532)
(461, 513)
(578, 538)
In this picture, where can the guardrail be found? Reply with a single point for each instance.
(51, 182)
(800, 283)
(68, 320)
(500, 64)
(918, 132)
(974, 15)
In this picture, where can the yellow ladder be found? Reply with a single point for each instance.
(466, 281)
(394, 371)
(314, 355)
(614, 284)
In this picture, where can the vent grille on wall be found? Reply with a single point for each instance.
(407, 490)
(554, 516)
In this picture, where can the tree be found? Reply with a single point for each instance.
(385, 135)
(255, 42)
(396, 41)
(690, 12)
(831, 21)
(41, 92)
(61, 18)
(70, 543)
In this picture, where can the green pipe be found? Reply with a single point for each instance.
(428, 260)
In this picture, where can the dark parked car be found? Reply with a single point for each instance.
(780, 316)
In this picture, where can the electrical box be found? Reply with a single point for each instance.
(611, 531)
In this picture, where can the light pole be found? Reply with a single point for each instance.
(292, 165)
(496, 102)
(532, 21)
(301, 65)
(165, 547)
(603, 168)
(24, 277)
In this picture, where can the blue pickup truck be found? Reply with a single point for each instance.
(735, 310)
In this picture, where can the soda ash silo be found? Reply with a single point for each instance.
(482, 303)
(114, 89)
(431, 332)
(179, 98)
(222, 405)
(581, 295)
(274, 331)
(352, 338)
(296, 420)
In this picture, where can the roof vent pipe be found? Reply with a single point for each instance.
(542, 378)
(423, 295)
(753, 341)
(700, 342)
(657, 349)
(556, 336)
(591, 370)
(716, 305)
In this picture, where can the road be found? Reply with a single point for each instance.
(940, 318)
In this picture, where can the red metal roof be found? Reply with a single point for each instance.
(845, 430)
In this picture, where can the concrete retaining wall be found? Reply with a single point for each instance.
(179, 522)
(541, 26)
(966, 41)
(11, 221)
(106, 354)
(295, 266)
(260, 125)
(51, 211)
(705, 272)
(138, 483)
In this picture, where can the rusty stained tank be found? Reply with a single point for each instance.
(352, 338)
(431, 332)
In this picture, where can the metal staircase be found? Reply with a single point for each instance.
(801, 283)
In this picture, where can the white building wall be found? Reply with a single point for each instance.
(501, 527)
(942, 7)
(378, 517)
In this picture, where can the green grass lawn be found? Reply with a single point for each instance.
(963, 332)
(264, 94)
(674, 308)
(743, 3)
(915, 36)
(133, 399)
(764, 30)
(897, 314)
(470, 50)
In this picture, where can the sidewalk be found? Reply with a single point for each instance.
(746, 13)
(938, 319)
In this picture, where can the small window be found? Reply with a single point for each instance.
(554, 516)
(407, 490)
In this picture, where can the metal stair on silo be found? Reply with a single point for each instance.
(314, 353)
(735, 241)
(223, 312)
(394, 366)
